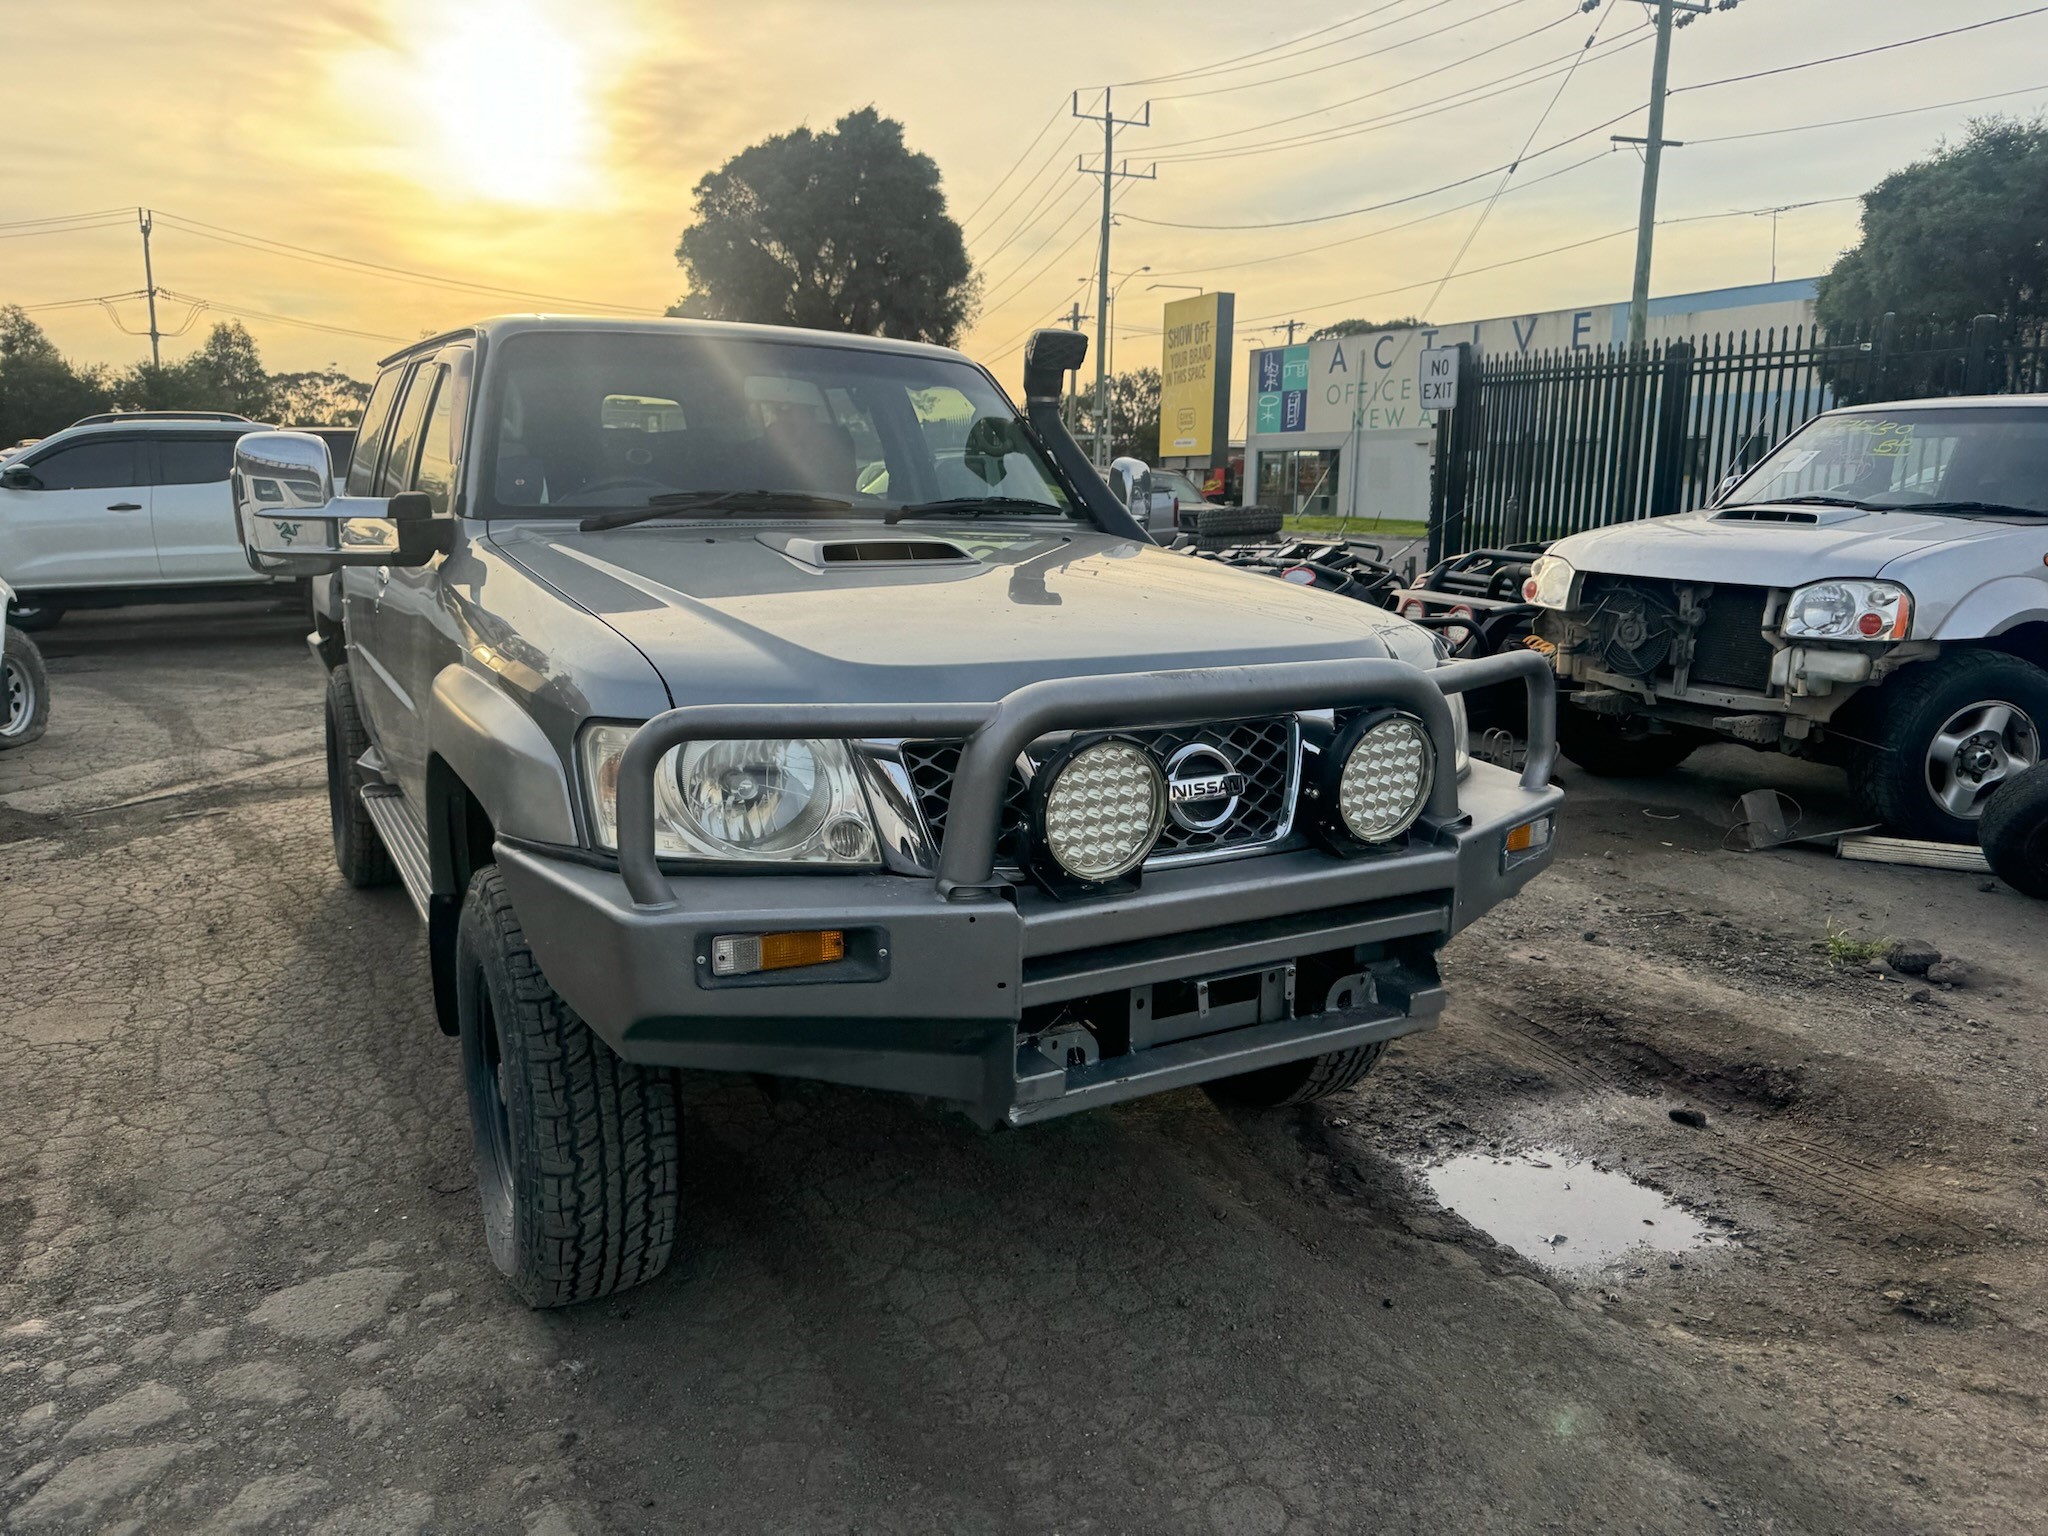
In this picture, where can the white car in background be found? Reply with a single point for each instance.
(1874, 593)
(126, 508)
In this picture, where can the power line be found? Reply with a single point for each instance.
(1004, 179)
(1613, 44)
(268, 246)
(66, 229)
(1393, 202)
(242, 312)
(1402, 116)
(1370, 53)
(1515, 261)
(1861, 53)
(65, 218)
(1057, 156)
(1221, 64)
(1869, 117)
(1375, 234)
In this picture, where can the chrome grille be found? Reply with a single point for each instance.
(1266, 751)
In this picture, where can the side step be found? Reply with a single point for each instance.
(404, 838)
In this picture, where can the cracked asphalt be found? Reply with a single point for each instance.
(243, 1284)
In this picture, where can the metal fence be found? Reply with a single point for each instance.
(1545, 444)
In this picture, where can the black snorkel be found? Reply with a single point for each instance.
(1048, 358)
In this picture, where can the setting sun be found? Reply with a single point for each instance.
(509, 97)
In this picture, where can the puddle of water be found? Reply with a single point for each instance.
(1565, 1214)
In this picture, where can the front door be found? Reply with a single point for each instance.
(193, 513)
(85, 523)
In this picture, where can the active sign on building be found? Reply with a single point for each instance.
(1439, 379)
(1194, 378)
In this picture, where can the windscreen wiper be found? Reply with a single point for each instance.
(1817, 500)
(700, 501)
(1976, 506)
(971, 506)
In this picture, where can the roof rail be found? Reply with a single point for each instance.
(106, 416)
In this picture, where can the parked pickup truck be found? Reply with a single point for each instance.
(692, 754)
(1874, 593)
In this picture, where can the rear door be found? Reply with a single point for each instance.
(88, 524)
(192, 512)
(376, 644)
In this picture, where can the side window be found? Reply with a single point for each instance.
(376, 424)
(441, 448)
(193, 460)
(90, 466)
(396, 475)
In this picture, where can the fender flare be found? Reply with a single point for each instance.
(501, 755)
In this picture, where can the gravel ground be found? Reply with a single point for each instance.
(242, 1282)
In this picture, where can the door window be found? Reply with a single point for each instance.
(396, 475)
(193, 460)
(441, 444)
(376, 425)
(89, 466)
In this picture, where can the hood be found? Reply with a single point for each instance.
(1840, 541)
(732, 612)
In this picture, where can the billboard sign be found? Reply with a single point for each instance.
(1282, 404)
(1194, 377)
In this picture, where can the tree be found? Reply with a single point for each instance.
(1961, 233)
(1362, 327)
(39, 391)
(1134, 414)
(322, 397)
(844, 230)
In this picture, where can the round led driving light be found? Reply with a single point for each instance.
(1386, 780)
(1104, 810)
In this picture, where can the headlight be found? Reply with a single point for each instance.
(1373, 780)
(1103, 809)
(1848, 610)
(1550, 582)
(765, 802)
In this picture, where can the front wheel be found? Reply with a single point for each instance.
(24, 691)
(2014, 832)
(578, 1154)
(1617, 748)
(1951, 732)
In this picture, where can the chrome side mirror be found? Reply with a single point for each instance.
(1130, 481)
(1727, 484)
(292, 522)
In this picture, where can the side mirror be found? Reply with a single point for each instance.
(292, 522)
(19, 477)
(1130, 481)
(1727, 484)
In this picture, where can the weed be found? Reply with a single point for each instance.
(1844, 948)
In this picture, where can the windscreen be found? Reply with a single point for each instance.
(582, 422)
(1986, 459)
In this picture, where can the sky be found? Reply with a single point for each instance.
(547, 148)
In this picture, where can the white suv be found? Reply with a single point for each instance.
(130, 508)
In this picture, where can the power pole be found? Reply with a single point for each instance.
(1110, 173)
(1072, 321)
(142, 217)
(1292, 327)
(1653, 158)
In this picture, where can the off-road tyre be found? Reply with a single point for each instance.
(24, 691)
(1234, 525)
(578, 1153)
(359, 853)
(1611, 748)
(1297, 1082)
(33, 618)
(2014, 833)
(1889, 774)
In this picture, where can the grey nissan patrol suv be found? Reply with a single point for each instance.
(760, 700)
